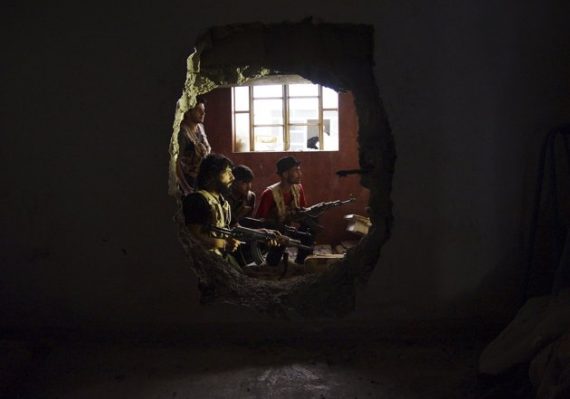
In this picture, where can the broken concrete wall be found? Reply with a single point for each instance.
(87, 233)
(334, 55)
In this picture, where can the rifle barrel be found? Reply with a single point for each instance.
(344, 173)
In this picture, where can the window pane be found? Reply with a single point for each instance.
(269, 138)
(267, 112)
(298, 138)
(303, 90)
(268, 91)
(330, 130)
(302, 109)
(241, 98)
(330, 98)
(242, 132)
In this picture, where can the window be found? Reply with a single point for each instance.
(291, 117)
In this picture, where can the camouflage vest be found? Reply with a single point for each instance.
(220, 213)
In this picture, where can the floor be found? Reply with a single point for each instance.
(379, 367)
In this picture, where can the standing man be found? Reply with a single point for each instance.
(280, 201)
(193, 146)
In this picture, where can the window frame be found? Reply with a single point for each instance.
(286, 125)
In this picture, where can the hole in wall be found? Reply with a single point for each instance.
(340, 57)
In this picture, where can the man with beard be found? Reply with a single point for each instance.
(207, 206)
(280, 201)
(193, 146)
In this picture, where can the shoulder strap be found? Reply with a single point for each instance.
(279, 200)
(296, 191)
(282, 210)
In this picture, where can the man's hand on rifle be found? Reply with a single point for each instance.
(231, 244)
(279, 239)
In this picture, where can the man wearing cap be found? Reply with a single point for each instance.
(281, 200)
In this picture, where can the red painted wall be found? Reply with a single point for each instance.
(319, 179)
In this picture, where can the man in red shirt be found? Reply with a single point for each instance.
(280, 201)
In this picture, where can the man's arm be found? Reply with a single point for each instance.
(185, 147)
(202, 132)
(208, 241)
(184, 185)
(251, 202)
(228, 244)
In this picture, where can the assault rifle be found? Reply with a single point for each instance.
(309, 216)
(268, 224)
(258, 252)
(241, 233)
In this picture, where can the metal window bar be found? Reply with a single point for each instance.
(286, 139)
(251, 134)
(234, 135)
(321, 123)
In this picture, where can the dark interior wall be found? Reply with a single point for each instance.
(319, 179)
(88, 99)
(475, 116)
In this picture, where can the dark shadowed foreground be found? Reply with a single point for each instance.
(318, 363)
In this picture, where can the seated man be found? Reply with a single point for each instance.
(242, 203)
(241, 198)
(208, 207)
(280, 201)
